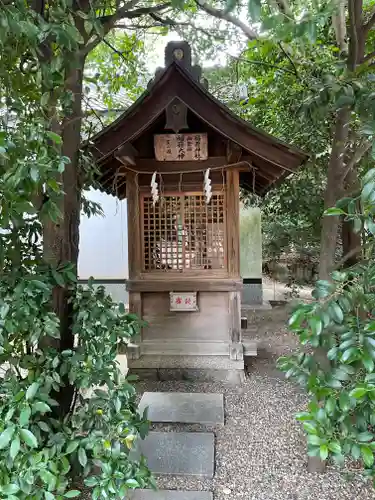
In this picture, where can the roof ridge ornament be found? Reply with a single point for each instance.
(180, 53)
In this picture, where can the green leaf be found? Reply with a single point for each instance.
(34, 173)
(25, 416)
(344, 402)
(82, 457)
(132, 483)
(15, 447)
(358, 392)
(349, 353)
(340, 374)
(72, 494)
(56, 138)
(316, 325)
(365, 437)
(41, 407)
(255, 9)
(296, 318)
(6, 437)
(332, 353)
(368, 363)
(367, 455)
(344, 100)
(357, 225)
(229, 6)
(42, 425)
(58, 278)
(367, 190)
(314, 439)
(32, 390)
(45, 98)
(356, 451)
(28, 438)
(333, 211)
(72, 446)
(10, 489)
(336, 312)
(323, 452)
(335, 447)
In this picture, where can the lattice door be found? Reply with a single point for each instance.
(183, 233)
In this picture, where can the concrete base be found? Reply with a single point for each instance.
(190, 368)
(265, 306)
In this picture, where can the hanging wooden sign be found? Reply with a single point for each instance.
(181, 147)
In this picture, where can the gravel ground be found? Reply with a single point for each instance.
(260, 452)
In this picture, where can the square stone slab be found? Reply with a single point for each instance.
(180, 407)
(170, 495)
(179, 453)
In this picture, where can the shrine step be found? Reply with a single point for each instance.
(178, 453)
(170, 495)
(184, 348)
(179, 407)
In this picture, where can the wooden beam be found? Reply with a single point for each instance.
(234, 152)
(233, 222)
(236, 347)
(126, 154)
(135, 307)
(134, 226)
(185, 285)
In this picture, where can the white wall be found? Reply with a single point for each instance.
(103, 247)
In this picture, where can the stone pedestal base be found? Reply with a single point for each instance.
(252, 292)
(192, 368)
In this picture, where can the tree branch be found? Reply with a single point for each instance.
(145, 10)
(226, 16)
(118, 52)
(348, 256)
(368, 57)
(125, 12)
(261, 63)
(339, 25)
(370, 23)
(167, 21)
(356, 157)
(289, 58)
(353, 41)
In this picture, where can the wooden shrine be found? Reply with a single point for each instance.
(180, 157)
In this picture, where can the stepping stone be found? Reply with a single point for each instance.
(180, 407)
(178, 453)
(170, 495)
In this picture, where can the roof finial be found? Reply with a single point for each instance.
(180, 53)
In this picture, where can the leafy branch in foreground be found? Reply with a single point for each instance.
(337, 362)
(41, 451)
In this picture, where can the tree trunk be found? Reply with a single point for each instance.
(334, 191)
(351, 241)
(61, 240)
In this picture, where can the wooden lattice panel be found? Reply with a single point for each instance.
(182, 233)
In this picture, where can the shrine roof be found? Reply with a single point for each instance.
(271, 158)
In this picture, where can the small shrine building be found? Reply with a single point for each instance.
(180, 158)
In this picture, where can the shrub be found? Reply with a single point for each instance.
(42, 449)
(336, 364)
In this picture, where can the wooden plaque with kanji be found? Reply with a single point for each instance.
(186, 301)
(181, 147)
